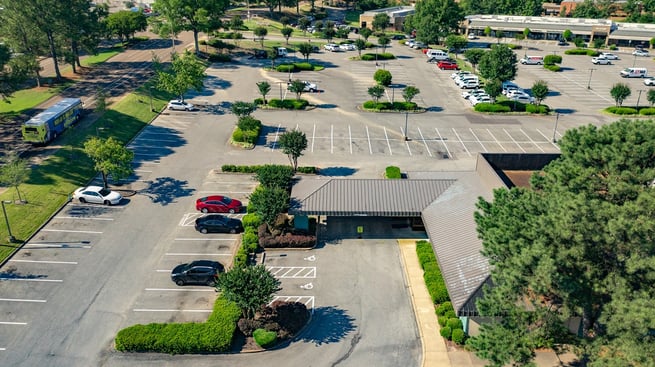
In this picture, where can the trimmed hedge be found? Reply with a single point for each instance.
(380, 56)
(288, 104)
(444, 307)
(582, 51)
(251, 220)
(552, 67)
(431, 272)
(264, 338)
(217, 43)
(513, 46)
(388, 106)
(392, 172)
(552, 59)
(541, 109)
(446, 332)
(213, 336)
(255, 168)
(228, 35)
(491, 107)
(647, 111)
(295, 67)
(621, 110)
(214, 57)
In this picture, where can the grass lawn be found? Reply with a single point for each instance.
(101, 57)
(51, 182)
(29, 98)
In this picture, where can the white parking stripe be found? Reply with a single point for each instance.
(501, 145)
(443, 142)
(194, 254)
(424, 142)
(204, 239)
(331, 139)
(532, 141)
(83, 218)
(548, 139)
(313, 137)
(350, 139)
(460, 140)
(45, 262)
(69, 231)
(12, 323)
(169, 310)
(22, 300)
(277, 132)
(33, 280)
(517, 144)
(46, 245)
(180, 290)
(3, 349)
(370, 148)
(478, 139)
(387, 137)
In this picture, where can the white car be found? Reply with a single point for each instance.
(522, 98)
(475, 92)
(178, 105)
(97, 195)
(481, 99)
(608, 55)
(459, 73)
(470, 84)
(511, 89)
(332, 47)
(640, 53)
(410, 43)
(600, 61)
(517, 93)
(419, 45)
(649, 81)
(347, 47)
(472, 36)
(309, 86)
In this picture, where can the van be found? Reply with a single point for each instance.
(532, 60)
(282, 51)
(436, 54)
(634, 73)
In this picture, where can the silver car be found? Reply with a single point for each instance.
(97, 195)
(178, 105)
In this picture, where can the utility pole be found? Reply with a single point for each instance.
(639, 98)
(591, 72)
(555, 129)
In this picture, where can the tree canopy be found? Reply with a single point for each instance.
(499, 63)
(250, 287)
(293, 143)
(578, 242)
(186, 71)
(109, 157)
(435, 19)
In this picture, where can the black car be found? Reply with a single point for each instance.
(202, 272)
(218, 223)
(562, 43)
(260, 54)
(398, 37)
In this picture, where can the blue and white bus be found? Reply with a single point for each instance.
(45, 126)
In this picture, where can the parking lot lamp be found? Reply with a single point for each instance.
(555, 129)
(639, 98)
(4, 211)
(406, 115)
(591, 72)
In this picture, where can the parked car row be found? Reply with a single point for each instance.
(333, 47)
(477, 96)
(515, 93)
(412, 43)
(466, 80)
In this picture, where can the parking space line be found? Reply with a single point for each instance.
(277, 132)
(350, 139)
(49, 245)
(532, 141)
(403, 133)
(498, 142)
(22, 300)
(12, 323)
(296, 271)
(69, 231)
(84, 218)
(331, 139)
(460, 140)
(33, 279)
(44, 262)
(478, 139)
(169, 310)
(204, 239)
(141, 161)
(549, 139)
(180, 290)
(194, 254)
(142, 170)
(517, 144)
(370, 148)
(313, 137)
(310, 300)
(424, 142)
(387, 137)
(443, 142)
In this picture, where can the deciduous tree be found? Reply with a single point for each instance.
(410, 92)
(250, 287)
(242, 109)
(286, 32)
(264, 88)
(260, 33)
(474, 55)
(539, 91)
(360, 44)
(380, 21)
(620, 91)
(384, 41)
(14, 171)
(186, 71)
(376, 92)
(109, 157)
(293, 143)
(305, 49)
(499, 63)
(435, 19)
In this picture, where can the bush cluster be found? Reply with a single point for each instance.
(282, 234)
(647, 111)
(431, 272)
(491, 107)
(552, 67)
(249, 239)
(264, 338)
(621, 110)
(213, 336)
(247, 136)
(255, 168)
(541, 109)
(512, 46)
(217, 43)
(380, 56)
(388, 106)
(552, 59)
(392, 172)
(295, 67)
(582, 51)
(451, 325)
(288, 104)
(274, 175)
(229, 35)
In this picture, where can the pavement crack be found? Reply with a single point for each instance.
(355, 340)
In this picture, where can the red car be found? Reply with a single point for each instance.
(447, 65)
(218, 204)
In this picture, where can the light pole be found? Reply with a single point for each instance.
(152, 109)
(376, 55)
(555, 129)
(406, 115)
(4, 211)
(591, 72)
(638, 98)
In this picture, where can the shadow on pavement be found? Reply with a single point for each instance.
(329, 325)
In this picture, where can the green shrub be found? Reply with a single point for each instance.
(444, 307)
(306, 66)
(582, 51)
(308, 170)
(442, 320)
(491, 107)
(552, 59)
(541, 109)
(380, 56)
(512, 46)
(613, 47)
(647, 111)
(241, 258)
(621, 110)
(217, 43)
(286, 68)
(228, 35)
(431, 273)
(383, 77)
(250, 241)
(275, 175)
(392, 172)
(458, 336)
(446, 332)
(450, 314)
(258, 101)
(552, 67)
(213, 336)
(237, 135)
(372, 105)
(455, 323)
(288, 104)
(215, 57)
(264, 338)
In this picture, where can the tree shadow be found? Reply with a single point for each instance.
(564, 111)
(337, 171)
(165, 190)
(326, 105)
(270, 130)
(434, 109)
(11, 273)
(329, 325)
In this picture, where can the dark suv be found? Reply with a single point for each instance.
(218, 223)
(202, 272)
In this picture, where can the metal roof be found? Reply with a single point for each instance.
(365, 197)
